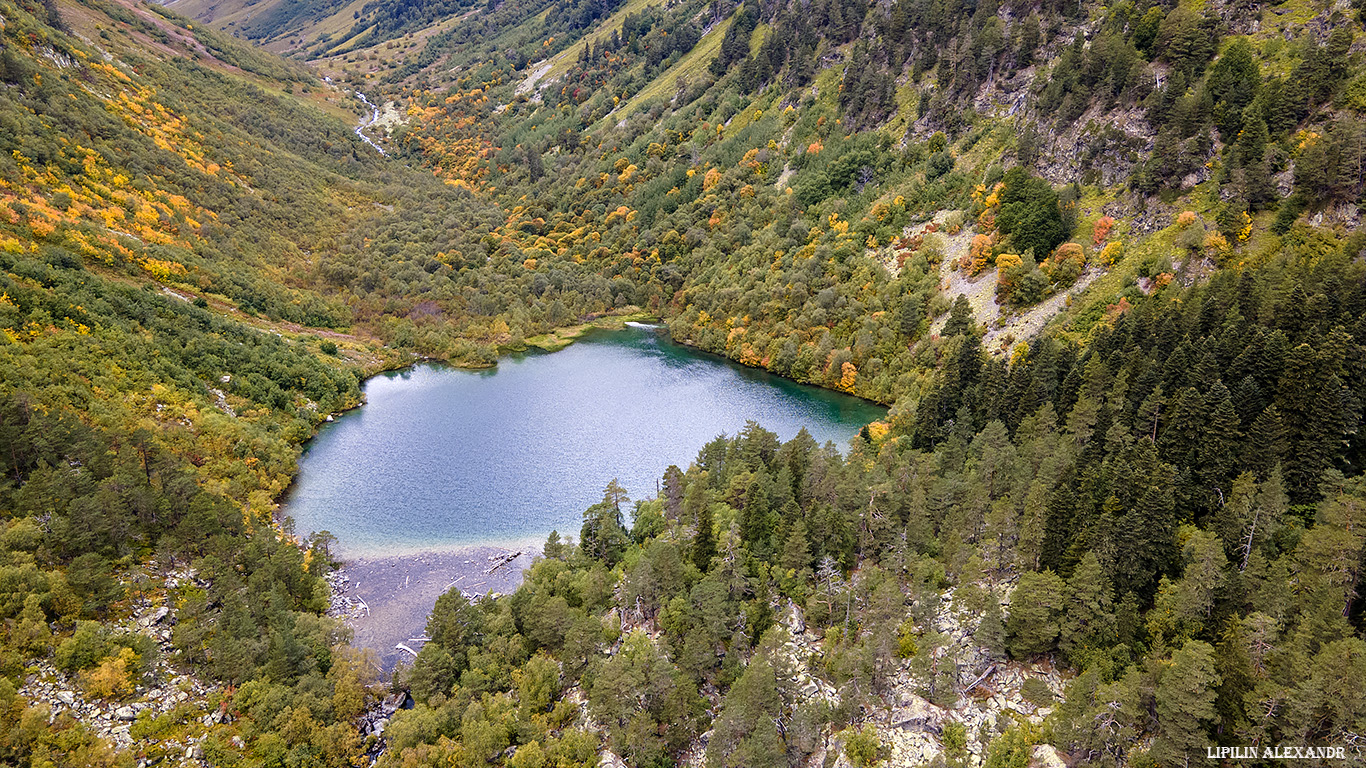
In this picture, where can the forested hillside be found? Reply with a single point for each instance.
(759, 174)
(1105, 262)
(171, 221)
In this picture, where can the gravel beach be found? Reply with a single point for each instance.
(386, 600)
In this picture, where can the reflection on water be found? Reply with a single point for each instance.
(441, 457)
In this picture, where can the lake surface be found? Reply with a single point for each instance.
(441, 457)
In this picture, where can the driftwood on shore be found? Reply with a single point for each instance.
(502, 560)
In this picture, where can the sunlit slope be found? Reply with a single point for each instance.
(278, 25)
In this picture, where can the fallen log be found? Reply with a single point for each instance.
(991, 670)
(503, 560)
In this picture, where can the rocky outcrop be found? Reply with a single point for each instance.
(162, 691)
(988, 689)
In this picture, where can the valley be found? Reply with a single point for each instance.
(1089, 277)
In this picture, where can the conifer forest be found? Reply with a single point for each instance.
(1103, 262)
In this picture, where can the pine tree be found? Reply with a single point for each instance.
(603, 535)
(747, 730)
(1088, 619)
(704, 543)
(1232, 520)
(960, 318)
(1265, 446)
(1183, 608)
(1143, 542)
(1329, 705)
(1180, 437)
(672, 492)
(1218, 447)
(1248, 400)
(1234, 79)
(796, 554)
(757, 525)
(1035, 608)
(991, 633)
(1185, 703)
(1332, 551)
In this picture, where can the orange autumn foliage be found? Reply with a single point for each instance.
(1102, 229)
(979, 253)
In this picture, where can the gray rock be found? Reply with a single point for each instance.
(126, 713)
(918, 715)
(156, 617)
(393, 703)
(1046, 756)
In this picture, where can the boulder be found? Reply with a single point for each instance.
(394, 702)
(917, 714)
(1046, 756)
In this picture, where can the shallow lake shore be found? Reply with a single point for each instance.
(386, 600)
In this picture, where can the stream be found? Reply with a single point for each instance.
(374, 115)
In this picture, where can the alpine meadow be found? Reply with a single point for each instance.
(1097, 267)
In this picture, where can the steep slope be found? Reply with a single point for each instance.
(200, 260)
(792, 123)
(1166, 184)
(176, 213)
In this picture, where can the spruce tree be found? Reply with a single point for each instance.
(1218, 447)
(1265, 446)
(704, 543)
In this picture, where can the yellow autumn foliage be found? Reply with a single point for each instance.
(848, 374)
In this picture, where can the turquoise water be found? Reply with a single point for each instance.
(441, 457)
